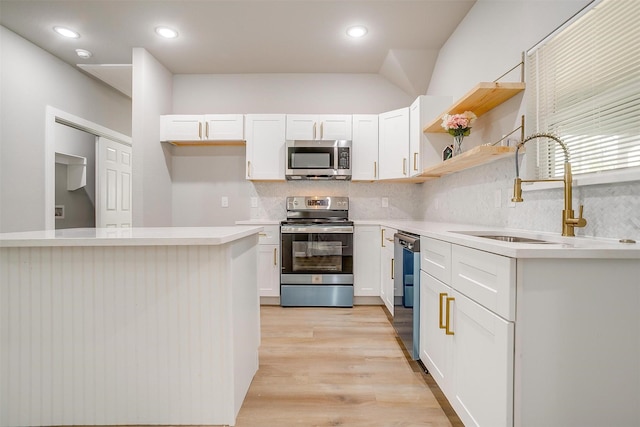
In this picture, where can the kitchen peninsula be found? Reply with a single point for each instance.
(128, 326)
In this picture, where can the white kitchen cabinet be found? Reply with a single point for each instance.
(269, 261)
(393, 144)
(364, 166)
(366, 253)
(468, 348)
(423, 152)
(318, 127)
(208, 127)
(265, 135)
(387, 266)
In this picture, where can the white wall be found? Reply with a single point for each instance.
(286, 93)
(487, 43)
(31, 80)
(151, 160)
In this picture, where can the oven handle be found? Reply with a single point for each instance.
(315, 229)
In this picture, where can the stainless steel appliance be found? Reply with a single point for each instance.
(406, 316)
(309, 159)
(317, 253)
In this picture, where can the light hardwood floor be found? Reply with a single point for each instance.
(338, 367)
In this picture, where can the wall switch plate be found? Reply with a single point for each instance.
(254, 202)
(224, 202)
(385, 202)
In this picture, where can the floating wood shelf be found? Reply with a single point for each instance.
(474, 157)
(482, 98)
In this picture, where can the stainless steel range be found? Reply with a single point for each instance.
(317, 253)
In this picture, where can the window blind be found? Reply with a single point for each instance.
(583, 85)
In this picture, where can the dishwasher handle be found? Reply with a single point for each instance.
(407, 241)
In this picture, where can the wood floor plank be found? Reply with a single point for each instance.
(337, 367)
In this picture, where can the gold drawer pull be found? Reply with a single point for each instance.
(275, 256)
(441, 324)
(447, 324)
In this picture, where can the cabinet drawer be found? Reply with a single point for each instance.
(270, 235)
(435, 258)
(486, 278)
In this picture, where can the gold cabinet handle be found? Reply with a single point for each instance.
(249, 168)
(382, 238)
(200, 130)
(393, 269)
(404, 166)
(415, 161)
(321, 129)
(206, 130)
(275, 256)
(314, 130)
(447, 323)
(375, 169)
(441, 323)
(262, 234)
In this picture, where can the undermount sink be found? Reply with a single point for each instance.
(513, 239)
(510, 238)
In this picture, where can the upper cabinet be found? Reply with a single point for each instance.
(318, 127)
(265, 135)
(393, 144)
(421, 153)
(364, 166)
(202, 129)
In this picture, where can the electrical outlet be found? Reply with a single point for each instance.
(385, 202)
(254, 202)
(224, 202)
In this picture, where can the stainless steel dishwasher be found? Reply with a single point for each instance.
(406, 317)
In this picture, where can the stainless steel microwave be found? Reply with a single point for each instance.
(311, 159)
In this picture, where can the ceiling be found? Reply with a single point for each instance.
(246, 36)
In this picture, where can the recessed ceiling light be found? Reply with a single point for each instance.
(84, 54)
(66, 32)
(357, 31)
(166, 32)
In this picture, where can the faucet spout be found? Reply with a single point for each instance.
(569, 222)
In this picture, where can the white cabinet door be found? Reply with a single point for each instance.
(335, 127)
(265, 136)
(224, 127)
(423, 150)
(483, 358)
(366, 253)
(269, 270)
(318, 127)
(387, 267)
(364, 148)
(393, 145)
(181, 127)
(436, 347)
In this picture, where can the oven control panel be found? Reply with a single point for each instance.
(303, 203)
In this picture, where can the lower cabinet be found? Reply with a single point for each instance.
(269, 262)
(387, 267)
(366, 253)
(468, 349)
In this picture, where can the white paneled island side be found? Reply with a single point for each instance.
(128, 326)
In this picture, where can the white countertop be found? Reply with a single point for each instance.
(137, 236)
(558, 246)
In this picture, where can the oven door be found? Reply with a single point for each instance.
(317, 254)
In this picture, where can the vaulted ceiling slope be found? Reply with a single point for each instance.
(249, 36)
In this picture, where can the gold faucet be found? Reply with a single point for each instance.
(568, 221)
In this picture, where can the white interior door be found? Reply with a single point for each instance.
(113, 170)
